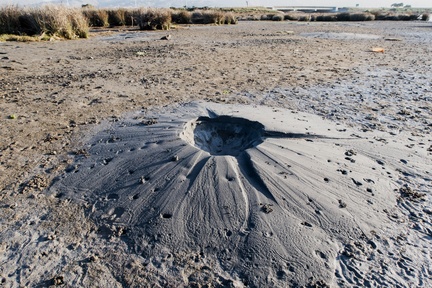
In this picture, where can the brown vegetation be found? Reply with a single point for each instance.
(394, 16)
(96, 17)
(357, 16)
(181, 17)
(278, 17)
(343, 16)
(9, 20)
(154, 19)
(49, 20)
(230, 18)
(208, 17)
(117, 17)
(69, 23)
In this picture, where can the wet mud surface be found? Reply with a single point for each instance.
(57, 97)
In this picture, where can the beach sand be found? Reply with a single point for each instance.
(263, 154)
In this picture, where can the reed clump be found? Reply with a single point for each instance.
(342, 16)
(96, 17)
(214, 17)
(50, 20)
(181, 17)
(397, 16)
(292, 16)
(208, 17)
(117, 17)
(230, 18)
(278, 17)
(154, 19)
(60, 21)
(9, 19)
(132, 17)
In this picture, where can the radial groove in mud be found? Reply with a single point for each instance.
(264, 177)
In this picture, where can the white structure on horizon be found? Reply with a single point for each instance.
(309, 8)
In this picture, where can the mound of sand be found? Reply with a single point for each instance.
(274, 194)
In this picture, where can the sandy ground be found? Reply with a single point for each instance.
(59, 91)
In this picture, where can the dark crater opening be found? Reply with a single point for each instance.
(224, 135)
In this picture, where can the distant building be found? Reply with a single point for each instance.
(309, 9)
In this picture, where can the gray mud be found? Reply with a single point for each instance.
(274, 194)
(145, 199)
(341, 36)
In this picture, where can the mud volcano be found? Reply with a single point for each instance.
(273, 195)
(223, 135)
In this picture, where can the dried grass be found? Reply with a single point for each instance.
(181, 17)
(96, 17)
(28, 23)
(305, 18)
(132, 17)
(277, 17)
(298, 16)
(230, 18)
(198, 17)
(48, 20)
(213, 17)
(18, 38)
(326, 17)
(9, 19)
(292, 16)
(345, 16)
(267, 17)
(61, 21)
(208, 17)
(395, 16)
(253, 17)
(80, 25)
(117, 17)
(361, 17)
(154, 19)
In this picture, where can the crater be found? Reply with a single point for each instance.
(223, 135)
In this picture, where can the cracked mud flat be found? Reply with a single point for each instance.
(369, 221)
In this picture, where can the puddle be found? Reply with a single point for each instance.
(128, 36)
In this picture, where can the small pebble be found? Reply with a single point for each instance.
(58, 280)
(94, 258)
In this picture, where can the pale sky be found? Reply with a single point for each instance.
(226, 3)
